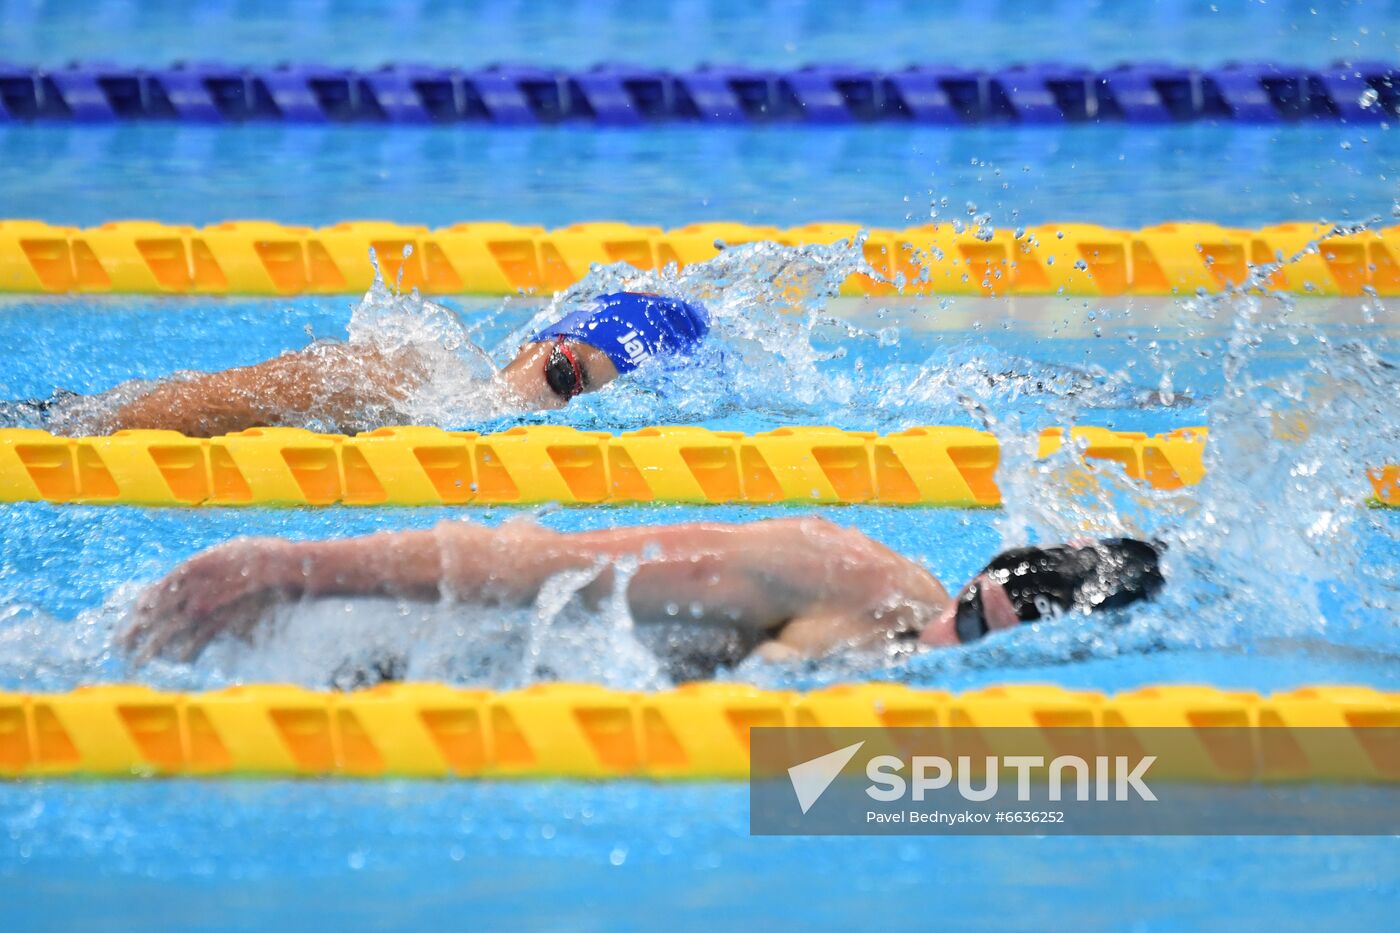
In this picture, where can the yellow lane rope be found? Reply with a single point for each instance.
(948, 466)
(490, 258)
(694, 732)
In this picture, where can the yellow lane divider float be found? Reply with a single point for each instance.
(948, 466)
(694, 732)
(489, 258)
(428, 466)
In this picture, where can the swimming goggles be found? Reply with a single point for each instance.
(563, 372)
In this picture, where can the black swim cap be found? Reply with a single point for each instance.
(1108, 574)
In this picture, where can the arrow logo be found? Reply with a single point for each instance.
(811, 778)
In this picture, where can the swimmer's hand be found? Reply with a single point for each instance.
(223, 590)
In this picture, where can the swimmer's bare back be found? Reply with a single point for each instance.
(807, 584)
(346, 385)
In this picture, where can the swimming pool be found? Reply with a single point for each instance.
(554, 855)
(879, 175)
(873, 364)
(628, 847)
(1322, 607)
(776, 33)
(226, 854)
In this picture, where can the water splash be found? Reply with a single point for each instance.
(767, 304)
(450, 380)
(348, 643)
(408, 360)
(1265, 555)
(778, 354)
(1267, 547)
(39, 652)
(941, 390)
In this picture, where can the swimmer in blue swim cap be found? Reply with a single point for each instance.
(347, 387)
(590, 347)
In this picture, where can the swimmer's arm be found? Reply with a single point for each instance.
(818, 634)
(751, 573)
(505, 565)
(813, 638)
(403, 564)
(227, 588)
(775, 652)
(335, 378)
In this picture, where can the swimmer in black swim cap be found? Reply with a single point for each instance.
(778, 589)
(1027, 584)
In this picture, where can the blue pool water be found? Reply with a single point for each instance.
(901, 363)
(888, 176)
(389, 855)
(1272, 585)
(376, 855)
(868, 364)
(776, 33)
(67, 574)
(863, 387)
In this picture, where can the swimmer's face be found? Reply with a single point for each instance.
(546, 374)
(997, 612)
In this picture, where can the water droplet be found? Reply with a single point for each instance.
(673, 609)
(618, 856)
(1369, 97)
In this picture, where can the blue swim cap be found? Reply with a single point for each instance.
(631, 327)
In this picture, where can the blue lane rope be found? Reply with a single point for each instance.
(614, 94)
